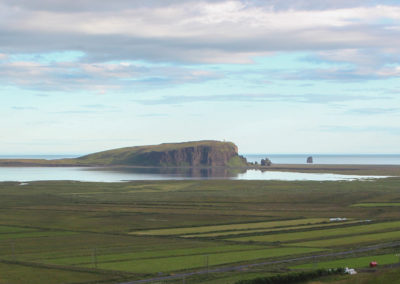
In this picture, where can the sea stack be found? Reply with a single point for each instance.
(310, 160)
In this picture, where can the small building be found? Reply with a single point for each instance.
(373, 264)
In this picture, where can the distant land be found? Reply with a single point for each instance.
(206, 153)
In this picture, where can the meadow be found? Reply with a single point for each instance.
(115, 232)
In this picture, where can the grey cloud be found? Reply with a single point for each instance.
(342, 74)
(95, 5)
(186, 39)
(98, 77)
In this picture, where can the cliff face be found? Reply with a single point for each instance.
(188, 154)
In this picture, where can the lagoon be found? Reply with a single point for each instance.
(84, 174)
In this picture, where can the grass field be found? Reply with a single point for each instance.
(355, 262)
(377, 204)
(22, 274)
(233, 227)
(114, 232)
(318, 234)
(285, 228)
(174, 263)
(352, 240)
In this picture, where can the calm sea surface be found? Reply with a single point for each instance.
(392, 159)
(386, 159)
(24, 174)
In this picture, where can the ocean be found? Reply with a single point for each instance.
(24, 174)
(334, 159)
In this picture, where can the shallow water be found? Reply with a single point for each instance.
(24, 174)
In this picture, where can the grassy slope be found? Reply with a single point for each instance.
(131, 155)
(122, 155)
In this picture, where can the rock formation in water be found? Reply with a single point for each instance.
(206, 153)
(188, 154)
(310, 160)
(266, 162)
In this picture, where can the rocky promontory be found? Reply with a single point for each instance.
(188, 154)
(207, 153)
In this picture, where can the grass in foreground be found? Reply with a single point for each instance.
(355, 262)
(21, 274)
(269, 224)
(168, 264)
(287, 229)
(377, 204)
(353, 240)
(74, 225)
(318, 234)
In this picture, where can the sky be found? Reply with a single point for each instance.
(293, 76)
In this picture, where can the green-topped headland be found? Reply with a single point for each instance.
(206, 153)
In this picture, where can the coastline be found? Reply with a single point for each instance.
(355, 169)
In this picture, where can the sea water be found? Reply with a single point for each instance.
(387, 159)
(26, 174)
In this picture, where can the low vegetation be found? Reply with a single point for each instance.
(115, 232)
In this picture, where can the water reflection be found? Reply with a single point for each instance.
(24, 174)
(191, 173)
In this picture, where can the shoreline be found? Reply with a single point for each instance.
(353, 169)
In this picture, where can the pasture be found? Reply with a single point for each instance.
(353, 262)
(115, 232)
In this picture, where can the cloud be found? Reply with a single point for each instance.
(153, 115)
(117, 5)
(195, 31)
(118, 46)
(368, 129)
(98, 77)
(24, 108)
(373, 111)
(303, 98)
(341, 74)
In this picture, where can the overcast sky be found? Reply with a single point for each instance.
(293, 76)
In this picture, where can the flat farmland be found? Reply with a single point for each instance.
(278, 229)
(355, 262)
(231, 227)
(116, 232)
(354, 229)
(353, 240)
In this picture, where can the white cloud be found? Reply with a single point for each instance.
(215, 31)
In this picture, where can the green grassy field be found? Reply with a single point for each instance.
(233, 227)
(352, 240)
(377, 204)
(23, 274)
(114, 232)
(355, 229)
(174, 263)
(354, 262)
(285, 228)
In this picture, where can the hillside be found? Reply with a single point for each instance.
(206, 153)
(187, 154)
